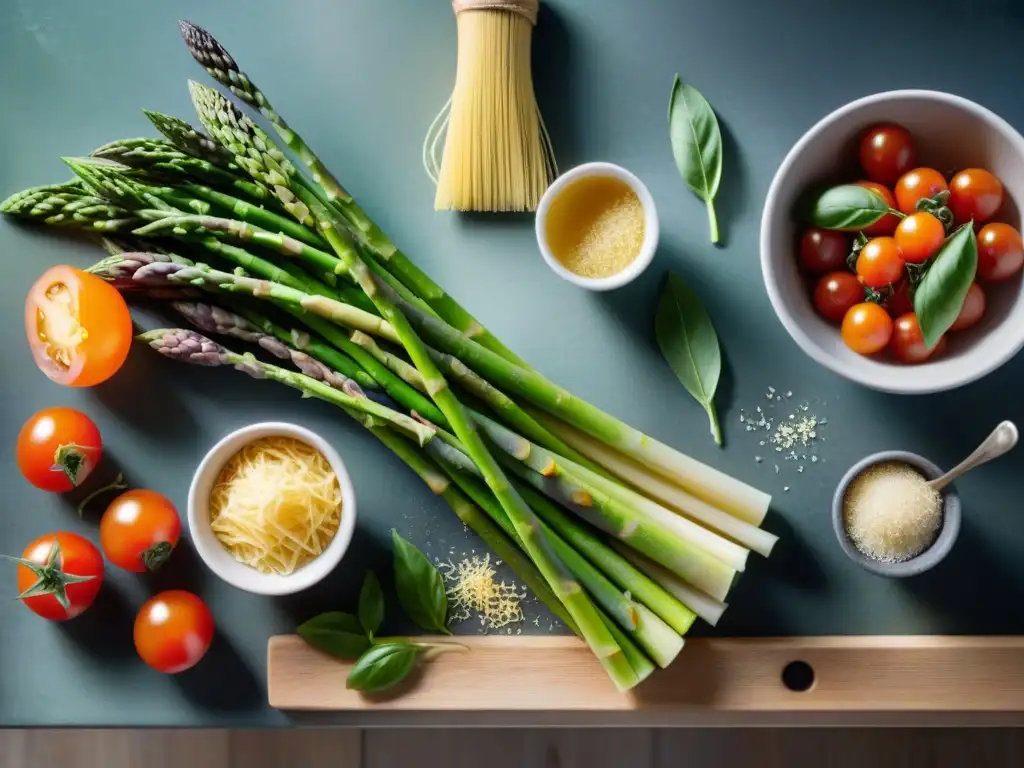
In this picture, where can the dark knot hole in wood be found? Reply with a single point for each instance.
(798, 676)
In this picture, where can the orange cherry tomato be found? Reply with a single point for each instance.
(918, 184)
(919, 236)
(58, 448)
(78, 327)
(907, 343)
(879, 263)
(139, 530)
(867, 328)
(888, 223)
(173, 631)
(975, 195)
(1000, 252)
(835, 293)
(65, 579)
(823, 250)
(887, 152)
(899, 302)
(972, 310)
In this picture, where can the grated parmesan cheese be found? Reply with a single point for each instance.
(890, 512)
(276, 505)
(475, 592)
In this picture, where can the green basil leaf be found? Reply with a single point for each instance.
(848, 207)
(940, 295)
(690, 345)
(383, 666)
(696, 145)
(371, 604)
(420, 587)
(336, 633)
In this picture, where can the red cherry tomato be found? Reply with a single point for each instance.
(1000, 252)
(866, 328)
(899, 303)
(78, 327)
(887, 152)
(887, 224)
(823, 250)
(835, 293)
(972, 310)
(58, 448)
(65, 579)
(918, 184)
(173, 631)
(879, 263)
(139, 530)
(919, 236)
(907, 342)
(975, 195)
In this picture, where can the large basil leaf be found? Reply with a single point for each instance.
(848, 207)
(696, 145)
(690, 345)
(940, 295)
(339, 634)
(383, 666)
(420, 587)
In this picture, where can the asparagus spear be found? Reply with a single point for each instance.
(213, 57)
(189, 140)
(68, 205)
(191, 347)
(220, 117)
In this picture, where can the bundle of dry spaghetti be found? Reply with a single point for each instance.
(497, 154)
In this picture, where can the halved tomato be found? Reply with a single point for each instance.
(78, 327)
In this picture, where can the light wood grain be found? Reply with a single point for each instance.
(853, 674)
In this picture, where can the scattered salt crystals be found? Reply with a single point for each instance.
(795, 433)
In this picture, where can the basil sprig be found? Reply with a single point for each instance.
(696, 145)
(848, 207)
(384, 662)
(940, 295)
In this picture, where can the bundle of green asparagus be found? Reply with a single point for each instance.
(624, 538)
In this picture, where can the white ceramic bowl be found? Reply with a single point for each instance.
(219, 560)
(652, 228)
(950, 133)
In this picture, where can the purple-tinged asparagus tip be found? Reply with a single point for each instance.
(122, 269)
(213, 319)
(186, 346)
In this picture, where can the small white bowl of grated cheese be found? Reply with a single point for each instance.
(272, 508)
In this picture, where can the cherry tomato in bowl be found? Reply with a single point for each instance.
(918, 184)
(867, 328)
(1000, 252)
(823, 250)
(879, 263)
(907, 343)
(975, 195)
(58, 448)
(899, 301)
(78, 327)
(173, 631)
(835, 293)
(919, 237)
(59, 576)
(888, 223)
(887, 152)
(139, 530)
(972, 310)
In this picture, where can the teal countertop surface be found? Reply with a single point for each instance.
(362, 80)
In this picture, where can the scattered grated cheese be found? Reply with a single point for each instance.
(474, 592)
(890, 512)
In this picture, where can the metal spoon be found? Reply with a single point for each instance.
(1002, 439)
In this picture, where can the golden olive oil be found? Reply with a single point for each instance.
(595, 226)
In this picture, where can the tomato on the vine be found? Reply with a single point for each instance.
(823, 250)
(139, 530)
(918, 184)
(173, 631)
(900, 301)
(866, 328)
(835, 293)
(887, 224)
(1000, 252)
(975, 195)
(972, 310)
(78, 327)
(919, 236)
(59, 576)
(887, 152)
(907, 342)
(58, 448)
(879, 263)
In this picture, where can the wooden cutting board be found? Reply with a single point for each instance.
(809, 674)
